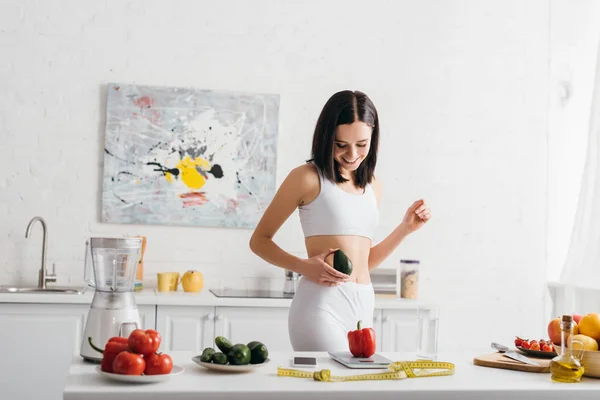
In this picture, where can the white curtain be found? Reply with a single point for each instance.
(581, 272)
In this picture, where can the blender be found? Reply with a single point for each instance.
(110, 266)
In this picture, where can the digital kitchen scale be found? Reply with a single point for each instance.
(376, 361)
(249, 293)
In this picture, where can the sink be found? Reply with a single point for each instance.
(35, 289)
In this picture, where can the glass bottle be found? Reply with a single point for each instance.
(566, 367)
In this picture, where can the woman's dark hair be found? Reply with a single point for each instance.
(345, 107)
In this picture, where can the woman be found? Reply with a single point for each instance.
(338, 198)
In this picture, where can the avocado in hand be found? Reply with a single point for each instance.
(342, 263)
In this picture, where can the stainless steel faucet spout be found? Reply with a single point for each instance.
(43, 276)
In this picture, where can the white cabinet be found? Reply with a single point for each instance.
(398, 330)
(147, 316)
(194, 328)
(185, 327)
(378, 328)
(47, 336)
(245, 324)
(37, 343)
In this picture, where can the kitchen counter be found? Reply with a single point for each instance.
(180, 298)
(468, 382)
(145, 297)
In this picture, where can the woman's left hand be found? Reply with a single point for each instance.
(416, 216)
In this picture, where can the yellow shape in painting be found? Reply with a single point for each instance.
(189, 172)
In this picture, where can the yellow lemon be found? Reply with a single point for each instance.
(589, 325)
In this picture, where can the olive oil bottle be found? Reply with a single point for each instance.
(566, 367)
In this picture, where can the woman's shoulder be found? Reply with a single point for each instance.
(304, 182)
(306, 173)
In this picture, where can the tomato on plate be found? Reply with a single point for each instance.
(128, 363)
(158, 364)
(144, 342)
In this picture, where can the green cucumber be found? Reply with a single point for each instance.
(207, 354)
(219, 358)
(223, 344)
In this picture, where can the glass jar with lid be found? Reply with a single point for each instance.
(409, 279)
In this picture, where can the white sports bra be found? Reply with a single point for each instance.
(336, 212)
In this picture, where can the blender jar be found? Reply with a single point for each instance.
(114, 262)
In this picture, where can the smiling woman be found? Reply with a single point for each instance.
(349, 154)
(338, 196)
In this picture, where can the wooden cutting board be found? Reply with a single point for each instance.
(498, 360)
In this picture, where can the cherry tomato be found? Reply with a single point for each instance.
(128, 363)
(535, 346)
(547, 348)
(144, 342)
(158, 364)
(518, 341)
(525, 344)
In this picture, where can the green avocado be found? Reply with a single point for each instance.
(239, 354)
(258, 352)
(342, 263)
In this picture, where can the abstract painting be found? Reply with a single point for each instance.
(183, 156)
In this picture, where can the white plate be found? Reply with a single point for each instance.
(228, 367)
(141, 378)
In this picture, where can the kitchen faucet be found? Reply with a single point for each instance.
(44, 277)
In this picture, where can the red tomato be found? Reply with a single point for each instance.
(547, 348)
(535, 346)
(144, 342)
(518, 341)
(158, 364)
(525, 344)
(128, 363)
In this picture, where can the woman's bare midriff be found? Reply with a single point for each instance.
(357, 248)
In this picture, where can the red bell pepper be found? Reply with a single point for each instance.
(362, 341)
(114, 346)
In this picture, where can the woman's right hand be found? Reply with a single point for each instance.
(318, 271)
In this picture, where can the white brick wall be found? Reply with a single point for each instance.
(462, 90)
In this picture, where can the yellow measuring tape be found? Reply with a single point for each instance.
(398, 370)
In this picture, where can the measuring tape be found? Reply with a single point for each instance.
(398, 370)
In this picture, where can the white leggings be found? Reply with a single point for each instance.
(321, 316)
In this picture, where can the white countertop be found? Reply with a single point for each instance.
(180, 298)
(468, 382)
